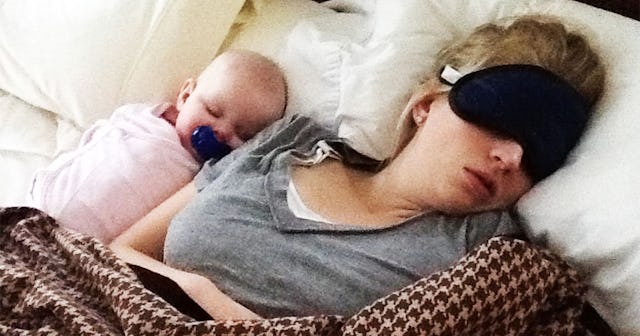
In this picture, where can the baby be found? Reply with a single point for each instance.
(127, 165)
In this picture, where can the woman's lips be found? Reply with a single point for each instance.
(479, 183)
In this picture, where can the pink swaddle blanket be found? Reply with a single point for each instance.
(123, 168)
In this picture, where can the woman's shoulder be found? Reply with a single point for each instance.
(291, 131)
(298, 122)
(482, 226)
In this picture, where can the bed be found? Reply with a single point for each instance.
(64, 64)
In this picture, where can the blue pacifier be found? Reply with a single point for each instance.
(204, 141)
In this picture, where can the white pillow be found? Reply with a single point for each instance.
(589, 211)
(360, 73)
(358, 69)
(83, 58)
(263, 26)
(26, 135)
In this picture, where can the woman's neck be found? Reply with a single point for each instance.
(384, 192)
(346, 195)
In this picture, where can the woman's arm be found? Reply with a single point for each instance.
(217, 304)
(142, 244)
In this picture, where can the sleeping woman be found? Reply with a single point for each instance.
(298, 223)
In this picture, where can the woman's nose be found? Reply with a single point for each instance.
(508, 153)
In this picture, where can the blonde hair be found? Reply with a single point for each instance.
(534, 39)
(537, 40)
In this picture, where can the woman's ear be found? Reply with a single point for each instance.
(185, 91)
(421, 101)
(420, 110)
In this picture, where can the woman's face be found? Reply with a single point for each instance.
(459, 167)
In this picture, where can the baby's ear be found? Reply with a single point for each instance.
(171, 115)
(185, 91)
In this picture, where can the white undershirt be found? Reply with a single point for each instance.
(299, 209)
(321, 151)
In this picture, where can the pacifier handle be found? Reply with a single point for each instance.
(206, 145)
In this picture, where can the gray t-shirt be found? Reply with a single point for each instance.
(239, 232)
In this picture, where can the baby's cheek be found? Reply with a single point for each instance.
(184, 132)
(235, 142)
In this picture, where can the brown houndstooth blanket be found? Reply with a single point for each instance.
(54, 282)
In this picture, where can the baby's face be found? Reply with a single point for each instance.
(230, 103)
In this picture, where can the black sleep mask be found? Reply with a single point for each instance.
(538, 109)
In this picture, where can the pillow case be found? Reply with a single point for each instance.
(82, 59)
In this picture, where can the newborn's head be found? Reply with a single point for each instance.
(252, 87)
(237, 95)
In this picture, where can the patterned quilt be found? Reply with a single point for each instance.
(56, 282)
